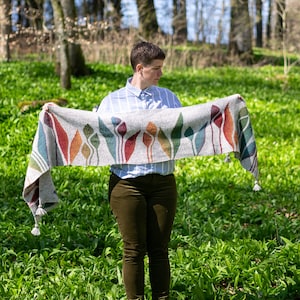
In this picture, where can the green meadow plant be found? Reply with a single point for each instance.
(228, 242)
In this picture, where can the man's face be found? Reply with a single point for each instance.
(151, 74)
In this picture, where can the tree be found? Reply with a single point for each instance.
(240, 37)
(280, 20)
(33, 14)
(70, 58)
(76, 57)
(258, 23)
(148, 25)
(179, 22)
(64, 69)
(268, 31)
(5, 29)
(117, 13)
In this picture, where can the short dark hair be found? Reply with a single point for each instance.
(144, 53)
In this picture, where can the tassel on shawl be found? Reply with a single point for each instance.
(256, 187)
(36, 230)
(38, 214)
(40, 211)
(227, 158)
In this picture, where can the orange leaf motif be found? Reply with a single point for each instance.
(228, 127)
(151, 128)
(75, 146)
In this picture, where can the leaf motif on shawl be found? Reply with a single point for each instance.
(62, 138)
(86, 151)
(88, 130)
(115, 121)
(176, 134)
(247, 144)
(148, 139)
(228, 128)
(151, 128)
(109, 137)
(35, 194)
(42, 145)
(164, 143)
(189, 133)
(33, 164)
(122, 129)
(200, 138)
(216, 115)
(48, 120)
(95, 140)
(75, 146)
(130, 145)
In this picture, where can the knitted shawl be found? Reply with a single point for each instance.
(72, 137)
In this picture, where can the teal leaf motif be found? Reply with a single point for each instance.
(42, 146)
(245, 135)
(197, 138)
(109, 138)
(200, 138)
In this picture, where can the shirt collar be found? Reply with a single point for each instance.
(137, 92)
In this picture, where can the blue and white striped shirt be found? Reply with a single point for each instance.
(130, 98)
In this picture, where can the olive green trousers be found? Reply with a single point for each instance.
(144, 208)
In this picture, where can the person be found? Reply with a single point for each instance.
(143, 197)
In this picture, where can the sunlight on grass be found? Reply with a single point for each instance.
(228, 242)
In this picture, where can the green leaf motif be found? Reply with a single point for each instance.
(176, 134)
(164, 143)
(95, 140)
(88, 130)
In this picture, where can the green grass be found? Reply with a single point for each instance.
(228, 242)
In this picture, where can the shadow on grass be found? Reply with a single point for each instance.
(218, 209)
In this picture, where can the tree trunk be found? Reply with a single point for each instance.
(64, 68)
(76, 57)
(33, 14)
(5, 27)
(148, 25)
(268, 30)
(117, 14)
(179, 22)
(240, 39)
(280, 13)
(258, 23)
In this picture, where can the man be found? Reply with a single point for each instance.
(143, 197)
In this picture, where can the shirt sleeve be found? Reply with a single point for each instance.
(105, 105)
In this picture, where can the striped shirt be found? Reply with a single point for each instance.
(130, 98)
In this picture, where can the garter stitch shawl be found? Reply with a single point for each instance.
(81, 138)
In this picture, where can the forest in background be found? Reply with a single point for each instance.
(72, 33)
(228, 242)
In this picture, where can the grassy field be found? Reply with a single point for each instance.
(228, 242)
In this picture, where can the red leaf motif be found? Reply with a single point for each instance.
(122, 129)
(216, 115)
(130, 145)
(62, 138)
(47, 120)
(147, 139)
